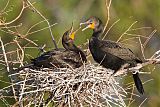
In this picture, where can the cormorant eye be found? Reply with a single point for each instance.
(90, 21)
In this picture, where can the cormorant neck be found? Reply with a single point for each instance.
(97, 31)
(70, 46)
(78, 51)
(75, 49)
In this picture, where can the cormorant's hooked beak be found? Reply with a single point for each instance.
(72, 33)
(72, 36)
(84, 23)
(89, 25)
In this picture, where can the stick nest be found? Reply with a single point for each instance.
(89, 85)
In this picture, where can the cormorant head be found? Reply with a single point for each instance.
(92, 23)
(69, 35)
(68, 38)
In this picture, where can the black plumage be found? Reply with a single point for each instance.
(70, 56)
(111, 54)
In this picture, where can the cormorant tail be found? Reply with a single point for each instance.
(138, 83)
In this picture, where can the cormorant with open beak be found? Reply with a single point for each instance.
(70, 56)
(110, 54)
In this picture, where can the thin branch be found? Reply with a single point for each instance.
(5, 7)
(110, 28)
(153, 60)
(5, 56)
(143, 102)
(49, 27)
(7, 23)
(108, 13)
(23, 86)
(126, 31)
(140, 28)
(29, 33)
(136, 35)
(7, 65)
(150, 36)
(22, 54)
(142, 48)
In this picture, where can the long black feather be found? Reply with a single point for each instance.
(138, 83)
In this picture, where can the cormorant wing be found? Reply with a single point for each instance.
(118, 50)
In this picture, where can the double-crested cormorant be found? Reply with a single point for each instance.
(70, 56)
(111, 54)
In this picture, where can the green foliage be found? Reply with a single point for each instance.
(64, 12)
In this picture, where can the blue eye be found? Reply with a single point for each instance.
(90, 21)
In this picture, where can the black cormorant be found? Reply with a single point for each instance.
(110, 54)
(71, 56)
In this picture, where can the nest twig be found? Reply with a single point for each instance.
(88, 85)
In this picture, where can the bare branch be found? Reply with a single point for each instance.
(150, 36)
(155, 59)
(49, 26)
(126, 31)
(108, 13)
(7, 23)
(110, 28)
(7, 65)
(5, 56)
